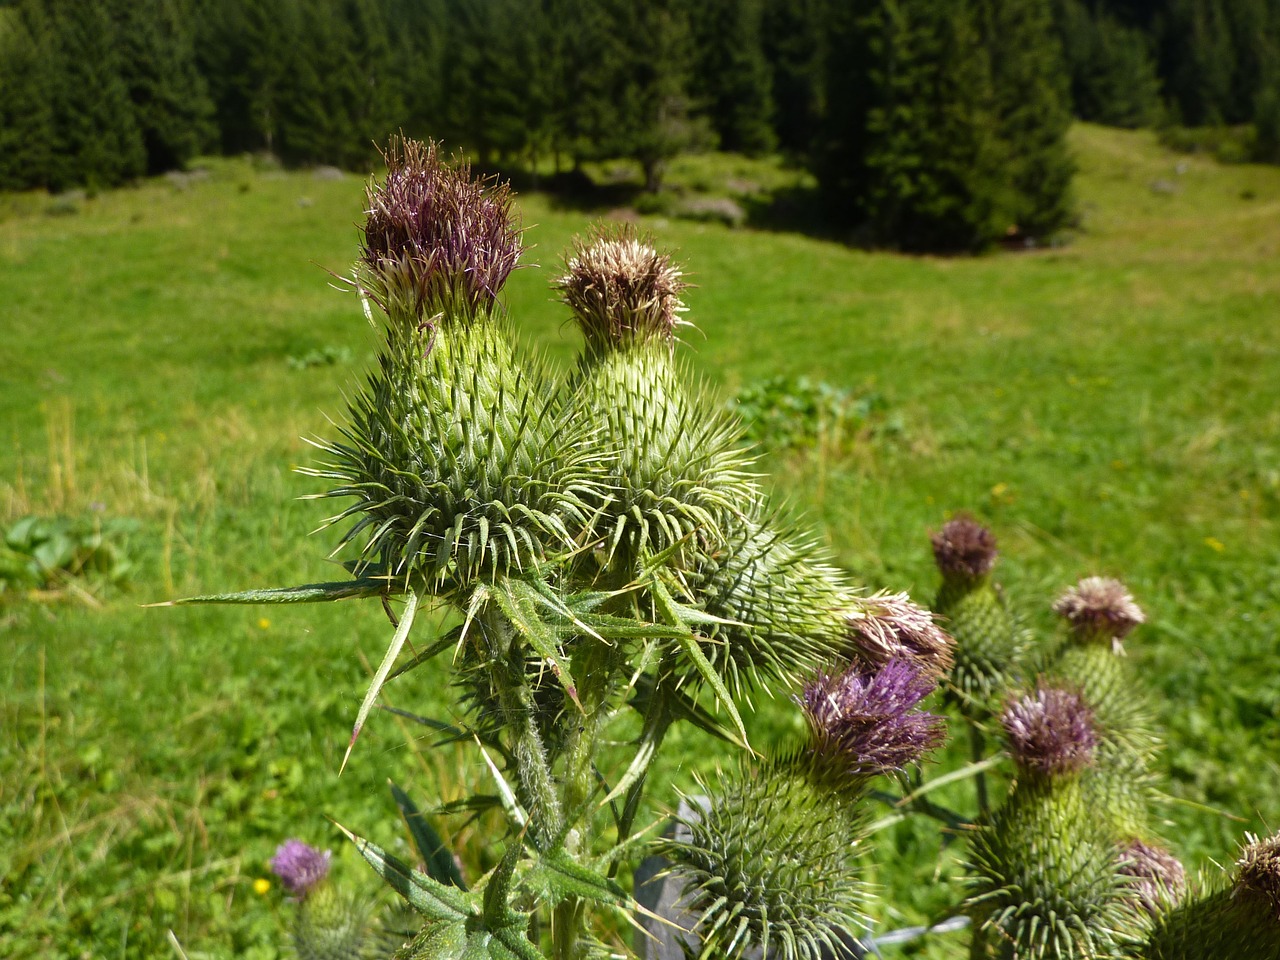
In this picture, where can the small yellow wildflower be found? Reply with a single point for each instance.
(263, 623)
(261, 886)
(1213, 543)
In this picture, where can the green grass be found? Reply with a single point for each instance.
(1109, 406)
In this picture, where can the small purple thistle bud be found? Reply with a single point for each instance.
(890, 625)
(1099, 609)
(1050, 731)
(300, 866)
(435, 235)
(964, 548)
(1159, 878)
(1259, 872)
(868, 723)
(621, 289)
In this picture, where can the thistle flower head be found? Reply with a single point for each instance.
(1051, 731)
(622, 289)
(433, 236)
(1099, 608)
(964, 548)
(1259, 872)
(300, 866)
(1158, 876)
(886, 626)
(868, 723)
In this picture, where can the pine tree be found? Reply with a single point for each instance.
(26, 109)
(1029, 82)
(731, 75)
(97, 140)
(157, 62)
(792, 47)
(911, 146)
(417, 31)
(244, 50)
(1112, 70)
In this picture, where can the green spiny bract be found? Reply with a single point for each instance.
(676, 462)
(782, 603)
(1236, 920)
(333, 925)
(1044, 874)
(459, 467)
(989, 646)
(458, 464)
(769, 864)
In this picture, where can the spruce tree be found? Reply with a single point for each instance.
(1030, 89)
(1112, 70)
(792, 43)
(731, 75)
(26, 109)
(97, 141)
(157, 62)
(912, 146)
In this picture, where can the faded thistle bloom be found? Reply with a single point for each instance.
(436, 240)
(869, 723)
(1258, 874)
(1051, 732)
(300, 866)
(1158, 877)
(889, 626)
(964, 549)
(621, 289)
(1099, 609)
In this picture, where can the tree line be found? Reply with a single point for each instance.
(928, 123)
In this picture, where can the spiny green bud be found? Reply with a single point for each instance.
(1238, 920)
(767, 580)
(622, 289)
(436, 241)
(332, 925)
(989, 647)
(770, 864)
(1044, 873)
(1099, 610)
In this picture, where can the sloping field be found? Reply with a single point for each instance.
(1109, 406)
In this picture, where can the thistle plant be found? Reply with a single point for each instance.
(617, 568)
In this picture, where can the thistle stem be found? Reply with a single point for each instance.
(978, 750)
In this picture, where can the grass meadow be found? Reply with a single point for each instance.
(1108, 406)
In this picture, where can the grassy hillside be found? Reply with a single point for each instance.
(1112, 405)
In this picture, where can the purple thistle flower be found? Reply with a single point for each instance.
(300, 866)
(964, 548)
(622, 289)
(1158, 876)
(888, 626)
(1050, 731)
(434, 234)
(868, 723)
(1099, 608)
(1259, 871)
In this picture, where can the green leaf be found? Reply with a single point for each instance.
(436, 856)
(434, 900)
(682, 707)
(518, 609)
(671, 611)
(384, 668)
(307, 593)
(556, 877)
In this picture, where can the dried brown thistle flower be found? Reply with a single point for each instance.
(622, 289)
(1159, 878)
(890, 625)
(1099, 609)
(964, 548)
